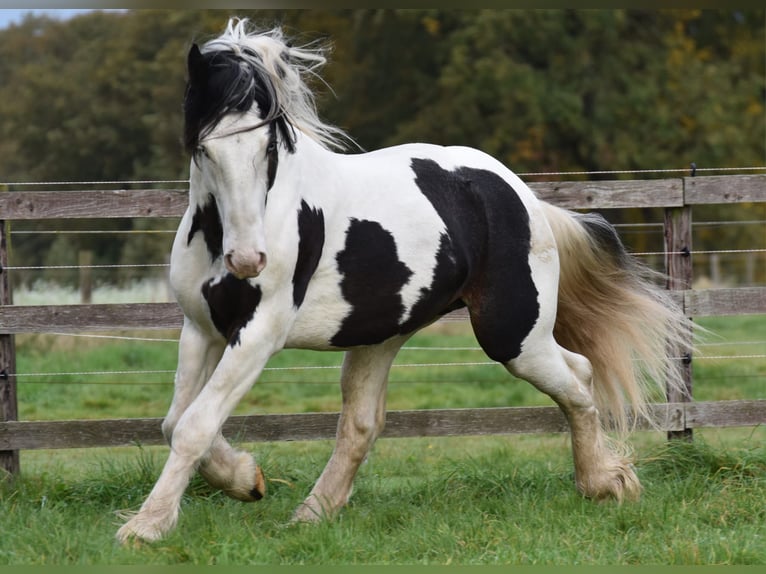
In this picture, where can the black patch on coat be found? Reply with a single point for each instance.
(372, 279)
(490, 240)
(272, 156)
(207, 220)
(232, 304)
(310, 244)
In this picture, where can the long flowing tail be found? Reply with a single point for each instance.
(613, 311)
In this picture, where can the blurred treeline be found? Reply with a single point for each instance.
(99, 97)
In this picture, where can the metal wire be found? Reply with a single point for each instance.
(105, 182)
(110, 266)
(701, 252)
(94, 232)
(149, 265)
(524, 174)
(406, 348)
(333, 367)
(641, 171)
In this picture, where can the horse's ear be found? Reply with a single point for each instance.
(195, 64)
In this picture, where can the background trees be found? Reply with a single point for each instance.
(99, 97)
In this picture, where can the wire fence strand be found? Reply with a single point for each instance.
(678, 170)
(101, 182)
(165, 265)
(686, 170)
(303, 368)
(104, 266)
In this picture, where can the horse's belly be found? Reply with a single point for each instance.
(320, 315)
(367, 299)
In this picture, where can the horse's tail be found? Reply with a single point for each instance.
(612, 310)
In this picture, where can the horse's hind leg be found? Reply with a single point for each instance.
(233, 471)
(566, 378)
(363, 415)
(513, 305)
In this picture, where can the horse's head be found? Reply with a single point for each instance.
(235, 124)
(246, 101)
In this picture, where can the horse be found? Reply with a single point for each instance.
(290, 241)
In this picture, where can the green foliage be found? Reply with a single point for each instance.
(602, 90)
(99, 97)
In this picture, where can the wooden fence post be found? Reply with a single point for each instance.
(85, 262)
(678, 267)
(9, 459)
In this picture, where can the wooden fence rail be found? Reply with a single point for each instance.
(678, 416)
(672, 417)
(15, 320)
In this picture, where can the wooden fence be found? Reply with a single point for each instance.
(678, 416)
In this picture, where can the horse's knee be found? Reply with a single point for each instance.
(358, 433)
(170, 422)
(364, 430)
(168, 426)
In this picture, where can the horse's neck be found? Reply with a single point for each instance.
(310, 153)
(311, 166)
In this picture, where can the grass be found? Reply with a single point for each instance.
(459, 500)
(417, 501)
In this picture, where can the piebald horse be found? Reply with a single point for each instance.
(288, 243)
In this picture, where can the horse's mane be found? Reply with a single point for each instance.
(262, 67)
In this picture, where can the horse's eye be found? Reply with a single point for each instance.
(202, 150)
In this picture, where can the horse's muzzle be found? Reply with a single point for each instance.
(245, 265)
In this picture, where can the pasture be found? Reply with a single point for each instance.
(435, 229)
(478, 500)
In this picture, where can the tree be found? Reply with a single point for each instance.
(99, 97)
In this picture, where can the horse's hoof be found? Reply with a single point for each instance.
(133, 533)
(312, 510)
(306, 514)
(259, 490)
(256, 492)
(619, 483)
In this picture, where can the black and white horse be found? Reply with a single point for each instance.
(288, 244)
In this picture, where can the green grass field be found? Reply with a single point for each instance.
(461, 500)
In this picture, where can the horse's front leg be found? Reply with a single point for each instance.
(198, 356)
(224, 467)
(198, 428)
(363, 415)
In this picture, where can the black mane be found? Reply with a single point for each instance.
(219, 83)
